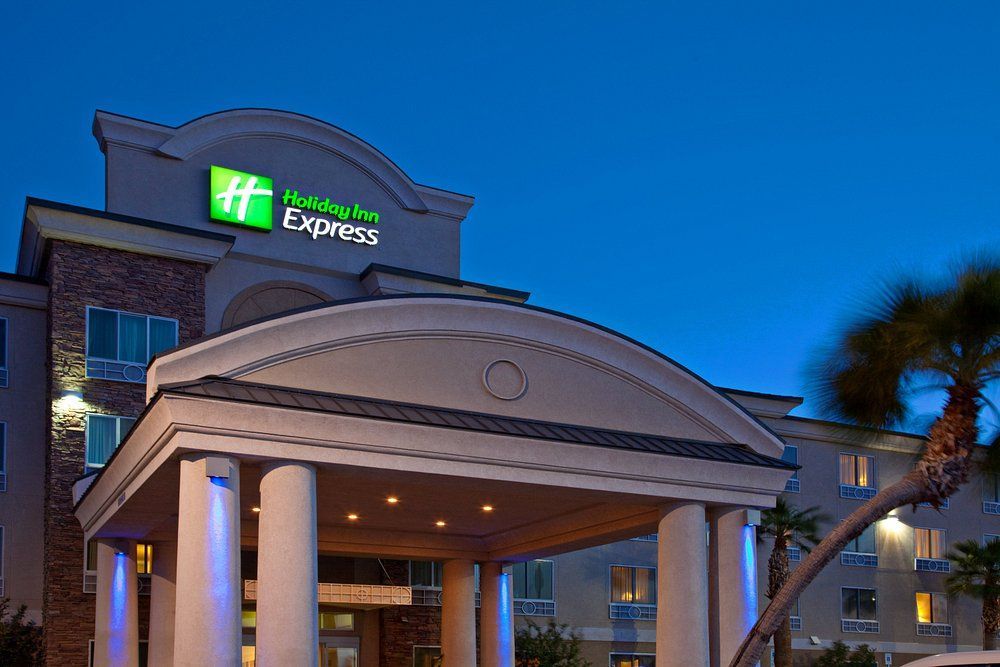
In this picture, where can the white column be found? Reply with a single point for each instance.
(116, 631)
(207, 627)
(287, 605)
(732, 577)
(496, 614)
(458, 614)
(163, 584)
(682, 588)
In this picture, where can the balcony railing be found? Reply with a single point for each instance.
(855, 559)
(931, 565)
(857, 492)
(431, 597)
(632, 612)
(372, 595)
(852, 625)
(534, 607)
(115, 370)
(990, 507)
(933, 630)
(3, 377)
(144, 587)
(945, 504)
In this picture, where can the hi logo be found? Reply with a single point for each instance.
(241, 198)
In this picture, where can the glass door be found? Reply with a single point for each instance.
(338, 652)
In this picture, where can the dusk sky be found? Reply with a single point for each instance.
(719, 180)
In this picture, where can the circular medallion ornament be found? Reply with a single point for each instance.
(505, 380)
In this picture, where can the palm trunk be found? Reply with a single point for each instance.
(908, 490)
(943, 467)
(991, 622)
(783, 644)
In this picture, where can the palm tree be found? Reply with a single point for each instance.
(976, 573)
(946, 335)
(789, 527)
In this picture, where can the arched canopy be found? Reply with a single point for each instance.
(444, 351)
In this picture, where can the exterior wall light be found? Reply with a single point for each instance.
(752, 518)
(70, 398)
(352, 517)
(487, 508)
(440, 524)
(392, 500)
(255, 510)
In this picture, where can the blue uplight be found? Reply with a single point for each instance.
(506, 641)
(749, 575)
(118, 623)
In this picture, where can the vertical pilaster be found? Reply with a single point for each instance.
(732, 581)
(207, 628)
(116, 632)
(458, 613)
(162, 600)
(287, 605)
(496, 613)
(682, 587)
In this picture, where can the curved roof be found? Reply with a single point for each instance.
(308, 331)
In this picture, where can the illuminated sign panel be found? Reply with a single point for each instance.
(241, 198)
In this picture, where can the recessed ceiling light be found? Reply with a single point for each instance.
(487, 508)
(392, 500)
(440, 524)
(255, 509)
(352, 517)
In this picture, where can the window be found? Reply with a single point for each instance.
(991, 493)
(103, 435)
(3, 589)
(335, 620)
(928, 543)
(632, 660)
(426, 656)
(932, 608)
(3, 351)
(857, 604)
(863, 543)
(633, 585)
(425, 574)
(989, 537)
(144, 558)
(791, 455)
(120, 345)
(532, 580)
(3, 456)
(857, 470)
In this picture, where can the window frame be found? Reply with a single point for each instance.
(933, 621)
(857, 588)
(118, 313)
(552, 564)
(611, 584)
(435, 566)
(625, 654)
(793, 484)
(874, 475)
(874, 552)
(92, 467)
(413, 651)
(5, 346)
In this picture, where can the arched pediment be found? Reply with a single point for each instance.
(473, 354)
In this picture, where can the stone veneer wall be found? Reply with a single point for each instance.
(79, 276)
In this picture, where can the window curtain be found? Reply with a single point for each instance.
(939, 608)
(102, 439)
(162, 335)
(924, 613)
(132, 339)
(849, 603)
(539, 580)
(645, 585)
(866, 471)
(621, 584)
(847, 470)
(866, 604)
(102, 332)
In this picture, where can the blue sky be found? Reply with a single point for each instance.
(717, 179)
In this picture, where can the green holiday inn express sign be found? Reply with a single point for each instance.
(241, 198)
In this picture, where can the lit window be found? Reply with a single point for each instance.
(3, 351)
(632, 660)
(932, 608)
(532, 580)
(425, 574)
(333, 620)
(144, 558)
(857, 470)
(857, 604)
(863, 543)
(120, 345)
(634, 585)
(248, 618)
(928, 543)
(426, 656)
(103, 435)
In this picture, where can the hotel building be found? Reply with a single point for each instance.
(250, 413)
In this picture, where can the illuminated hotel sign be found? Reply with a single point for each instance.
(241, 198)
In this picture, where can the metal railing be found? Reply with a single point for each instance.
(632, 612)
(362, 594)
(931, 565)
(857, 492)
(852, 625)
(990, 507)
(855, 559)
(933, 630)
(534, 607)
(115, 370)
